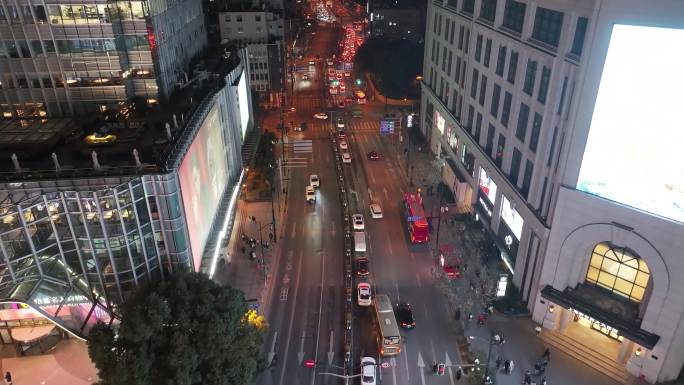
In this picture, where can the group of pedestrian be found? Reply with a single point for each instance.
(508, 365)
(539, 370)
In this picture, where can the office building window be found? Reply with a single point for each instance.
(547, 26)
(506, 111)
(451, 56)
(483, 89)
(49, 47)
(536, 129)
(13, 16)
(488, 52)
(488, 10)
(239, 19)
(457, 75)
(473, 84)
(501, 61)
(580, 33)
(553, 146)
(523, 117)
(37, 48)
(515, 167)
(467, 41)
(496, 95)
(469, 123)
(461, 36)
(544, 84)
(444, 57)
(3, 16)
(468, 6)
(514, 15)
(489, 146)
(47, 82)
(478, 128)
(500, 148)
(257, 17)
(452, 3)
(512, 67)
(227, 18)
(530, 76)
(439, 26)
(432, 53)
(543, 195)
(451, 35)
(28, 17)
(40, 13)
(478, 48)
(527, 178)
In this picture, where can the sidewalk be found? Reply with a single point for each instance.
(522, 345)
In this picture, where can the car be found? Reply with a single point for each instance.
(314, 181)
(310, 194)
(343, 88)
(357, 222)
(347, 74)
(341, 105)
(404, 315)
(451, 272)
(293, 109)
(344, 145)
(330, 62)
(376, 211)
(362, 266)
(341, 134)
(346, 158)
(368, 371)
(321, 115)
(364, 294)
(305, 77)
(340, 124)
(373, 155)
(312, 63)
(301, 127)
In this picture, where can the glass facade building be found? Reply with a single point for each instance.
(67, 58)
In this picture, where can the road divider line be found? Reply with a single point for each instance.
(421, 368)
(294, 306)
(294, 230)
(271, 354)
(300, 354)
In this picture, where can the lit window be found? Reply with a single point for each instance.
(618, 270)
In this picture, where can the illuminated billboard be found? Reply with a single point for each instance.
(243, 104)
(512, 218)
(440, 122)
(203, 177)
(487, 186)
(633, 154)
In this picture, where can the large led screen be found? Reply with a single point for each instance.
(512, 218)
(633, 154)
(440, 122)
(487, 186)
(243, 104)
(203, 176)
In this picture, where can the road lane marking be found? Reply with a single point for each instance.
(294, 306)
(331, 354)
(271, 354)
(384, 189)
(294, 230)
(448, 363)
(320, 313)
(393, 363)
(408, 376)
(421, 368)
(418, 279)
(332, 228)
(300, 355)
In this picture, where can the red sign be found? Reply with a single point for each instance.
(310, 364)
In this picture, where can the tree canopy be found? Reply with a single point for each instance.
(183, 331)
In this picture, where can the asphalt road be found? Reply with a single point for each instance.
(307, 314)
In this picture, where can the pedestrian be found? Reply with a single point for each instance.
(547, 354)
(507, 366)
(457, 315)
(498, 363)
(543, 381)
(459, 373)
(528, 377)
(510, 369)
(8, 378)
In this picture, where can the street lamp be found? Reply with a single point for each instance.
(262, 261)
(494, 338)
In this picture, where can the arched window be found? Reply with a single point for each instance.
(618, 270)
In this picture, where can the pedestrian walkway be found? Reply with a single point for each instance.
(469, 294)
(67, 364)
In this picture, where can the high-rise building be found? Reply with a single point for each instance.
(393, 19)
(85, 218)
(557, 126)
(65, 59)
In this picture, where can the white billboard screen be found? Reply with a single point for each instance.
(633, 154)
(203, 177)
(512, 218)
(243, 104)
(487, 186)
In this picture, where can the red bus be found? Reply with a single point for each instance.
(415, 218)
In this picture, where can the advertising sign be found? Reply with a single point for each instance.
(511, 216)
(386, 126)
(440, 122)
(203, 178)
(636, 158)
(487, 186)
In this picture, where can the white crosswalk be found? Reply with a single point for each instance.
(350, 126)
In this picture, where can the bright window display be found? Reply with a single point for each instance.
(512, 218)
(487, 186)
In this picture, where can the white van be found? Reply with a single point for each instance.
(359, 242)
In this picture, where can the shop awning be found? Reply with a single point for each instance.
(630, 329)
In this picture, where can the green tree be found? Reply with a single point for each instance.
(183, 331)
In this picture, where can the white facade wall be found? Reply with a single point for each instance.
(250, 27)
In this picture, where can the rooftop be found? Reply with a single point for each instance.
(137, 139)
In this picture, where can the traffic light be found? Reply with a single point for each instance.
(358, 82)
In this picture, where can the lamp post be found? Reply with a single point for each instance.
(262, 261)
(494, 338)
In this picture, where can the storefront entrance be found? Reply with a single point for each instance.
(594, 334)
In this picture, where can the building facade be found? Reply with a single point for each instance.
(77, 240)
(397, 20)
(65, 59)
(509, 94)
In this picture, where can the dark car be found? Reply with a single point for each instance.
(362, 266)
(341, 134)
(405, 316)
(373, 155)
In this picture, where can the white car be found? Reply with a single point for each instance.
(344, 145)
(321, 115)
(330, 62)
(310, 194)
(314, 181)
(340, 123)
(376, 211)
(364, 294)
(346, 158)
(357, 222)
(368, 371)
